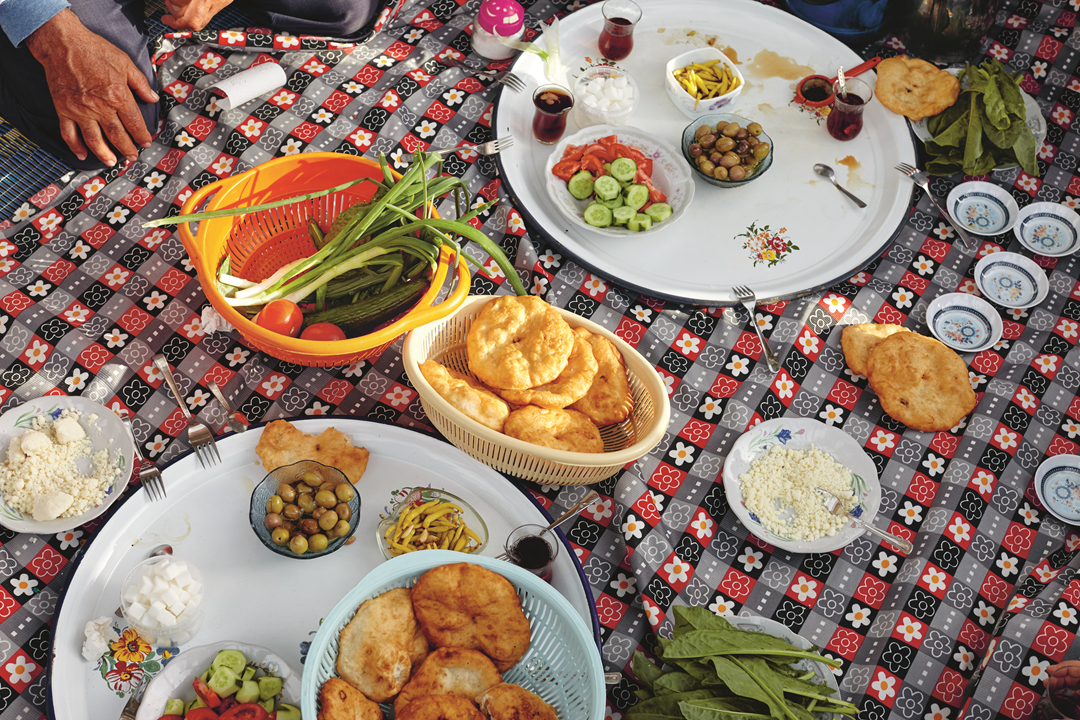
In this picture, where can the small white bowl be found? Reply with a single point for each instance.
(182, 632)
(1048, 229)
(964, 322)
(982, 208)
(1011, 280)
(690, 106)
(585, 114)
(1057, 483)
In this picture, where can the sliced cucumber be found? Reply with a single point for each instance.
(640, 222)
(622, 214)
(224, 681)
(581, 185)
(232, 659)
(659, 212)
(612, 204)
(607, 168)
(597, 215)
(269, 687)
(637, 196)
(626, 185)
(267, 705)
(248, 692)
(194, 704)
(623, 169)
(288, 712)
(606, 188)
(249, 673)
(174, 707)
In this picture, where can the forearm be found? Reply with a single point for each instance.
(21, 18)
(55, 36)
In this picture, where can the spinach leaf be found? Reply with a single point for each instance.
(663, 708)
(676, 682)
(742, 683)
(644, 670)
(719, 709)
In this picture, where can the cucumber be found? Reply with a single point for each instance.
(174, 707)
(205, 676)
(195, 704)
(269, 687)
(249, 673)
(623, 169)
(659, 212)
(597, 215)
(248, 692)
(607, 168)
(612, 204)
(640, 222)
(355, 318)
(224, 681)
(288, 712)
(581, 185)
(626, 184)
(637, 196)
(606, 188)
(232, 659)
(267, 705)
(622, 214)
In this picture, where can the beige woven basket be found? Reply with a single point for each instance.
(444, 342)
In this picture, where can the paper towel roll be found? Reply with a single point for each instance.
(249, 84)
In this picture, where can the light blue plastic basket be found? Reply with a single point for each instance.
(562, 665)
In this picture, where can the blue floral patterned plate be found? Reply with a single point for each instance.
(964, 322)
(1012, 280)
(982, 208)
(1049, 229)
(1057, 483)
(800, 434)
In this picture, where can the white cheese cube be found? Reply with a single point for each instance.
(620, 82)
(185, 596)
(170, 596)
(168, 619)
(604, 104)
(136, 611)
(193, 602)
(181, 565)
(160, 585)
(132, 594)
(195, 588)
(67, 430)
(590, 100)
(169, 571)
(158, 613)
(149, 621)
(188, 613)
(611, 92)
(146, 585)
(177, 607)
(183, 578)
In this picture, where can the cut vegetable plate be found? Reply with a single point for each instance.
(670, 174)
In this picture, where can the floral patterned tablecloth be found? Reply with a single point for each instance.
(87, 296)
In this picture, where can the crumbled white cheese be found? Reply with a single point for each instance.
(783, 480)
(41, 463)
(99, 634)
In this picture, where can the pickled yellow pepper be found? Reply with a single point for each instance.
(430, 525)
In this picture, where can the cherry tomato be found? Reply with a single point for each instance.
(202, 713)
(247, 711)
(205, 694)
(322, 331)
(281, 316)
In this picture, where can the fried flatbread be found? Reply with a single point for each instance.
(338, 700)
(439, 707)
(378, 646)
(571, 385)
(466, 394)
(556, 429)
(282, 444)
(914, 88)
(518, 342)
(608, 400)
(467, 606)
(859, 340)
(921, 382)
(513, 702)
(450, 671)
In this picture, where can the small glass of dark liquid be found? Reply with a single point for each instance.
(553, 103)
(1061, 699)
(617, 37)
(534, 548)
(845, 121)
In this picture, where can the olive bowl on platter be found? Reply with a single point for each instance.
(731, 146)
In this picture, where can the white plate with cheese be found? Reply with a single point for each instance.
(802, 434)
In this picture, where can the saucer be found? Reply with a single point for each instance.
(964, 322)
(1057, 483)
(982, 208)
(1011, 280)
(1048, 229)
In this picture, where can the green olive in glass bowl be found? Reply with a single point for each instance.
(738, 145)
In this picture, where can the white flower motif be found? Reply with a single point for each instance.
(722, 606)
(238, 357)
(688, 344)
(183, 139)
(858, 616)
(1029, 514)
(38, 289)
(924, 265)
(1008, 565)
(911, 512)
(20, 670)
(937, 712)
(960, 530)
(275, 384)
(36, 353)
(317, 409)
(751, 559)
(835, 303)
(651, 612)
(934, 465)
(965, 658)
(77, 381)
(885, 563)
(23, 212)
(69, 538)
(642, 315)
(702, 526)
(883, 440)
(1045, 574)
(738, 365)
(883, 685)
(903, 298)
(632, 527)
(426, 128)
(805, 588)
(935, 579)
(677, 570)
(984, 482)
(292, 146)
(910, 629)
(1006, 439)
(155, 446)
(198, 399)
(453, 97)
(24, 585)
(682, 453)
(808, 342)
(1035, 671)
(831, 415)
(624, 585)
(552, 259)
(155, 180)
(1065, 614)
(710, 407)
(785, 387)
(115, 338)
(763, 321)
(594, 286)
(985, 613)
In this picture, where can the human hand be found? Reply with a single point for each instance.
(1063, 677)
(91, 82)
(191, 14)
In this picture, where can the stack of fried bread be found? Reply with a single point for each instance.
(535, 378)
(436, 650)
(914, 88)
(920, 381)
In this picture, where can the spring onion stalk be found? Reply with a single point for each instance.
(237, 282)
(268, 282)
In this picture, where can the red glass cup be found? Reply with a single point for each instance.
(553, 103)
(617, 38)
(845, 120)
(533, 548)
(1061, 699)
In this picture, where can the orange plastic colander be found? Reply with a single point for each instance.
(259, 243)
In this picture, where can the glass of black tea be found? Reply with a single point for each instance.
(617, 37)
(553, 103)
(534, 548)
(845, 121)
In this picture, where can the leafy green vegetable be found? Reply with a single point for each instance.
(985, 128)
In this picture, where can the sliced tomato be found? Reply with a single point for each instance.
(322, 331)
(645, 207)
(171, 717)
(601, 152)
(608, 140)
(646, 165)
(205, 694)
(565, 169)
(573, 152)
(202, 713)
(593, 164)
(247, 711)
(227, 704)
(655, 196)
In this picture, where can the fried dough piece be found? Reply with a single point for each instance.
(571, 385)
(338, 700)
(517, 343)
(556, 429)
(608, 400)
(513, 702)
(282, 444)
(921, 382)
(450, 671)
(467, 606)
(859, 340)
(439, 707)
(378, 645)
(467, 395)
(914, 88)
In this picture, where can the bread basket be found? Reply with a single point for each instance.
(444, 342)
(259, 243)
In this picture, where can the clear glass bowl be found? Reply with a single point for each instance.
(174, 635)
(586, 115)
(420, 495)
(688, 140)
(290, 474)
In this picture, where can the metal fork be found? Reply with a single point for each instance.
(920, 178)
(199, 436)
(235, 420)
(513, 82)
(497, 145)
(832, 504)
(149, 476)
(131, 709)
(749, 301)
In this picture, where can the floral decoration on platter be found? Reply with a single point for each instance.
(766, 246)
(131, 660)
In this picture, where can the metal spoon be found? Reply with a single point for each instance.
(580, 505)
(156, 552)
(826, 171)
(235, 420)
(833, 505)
